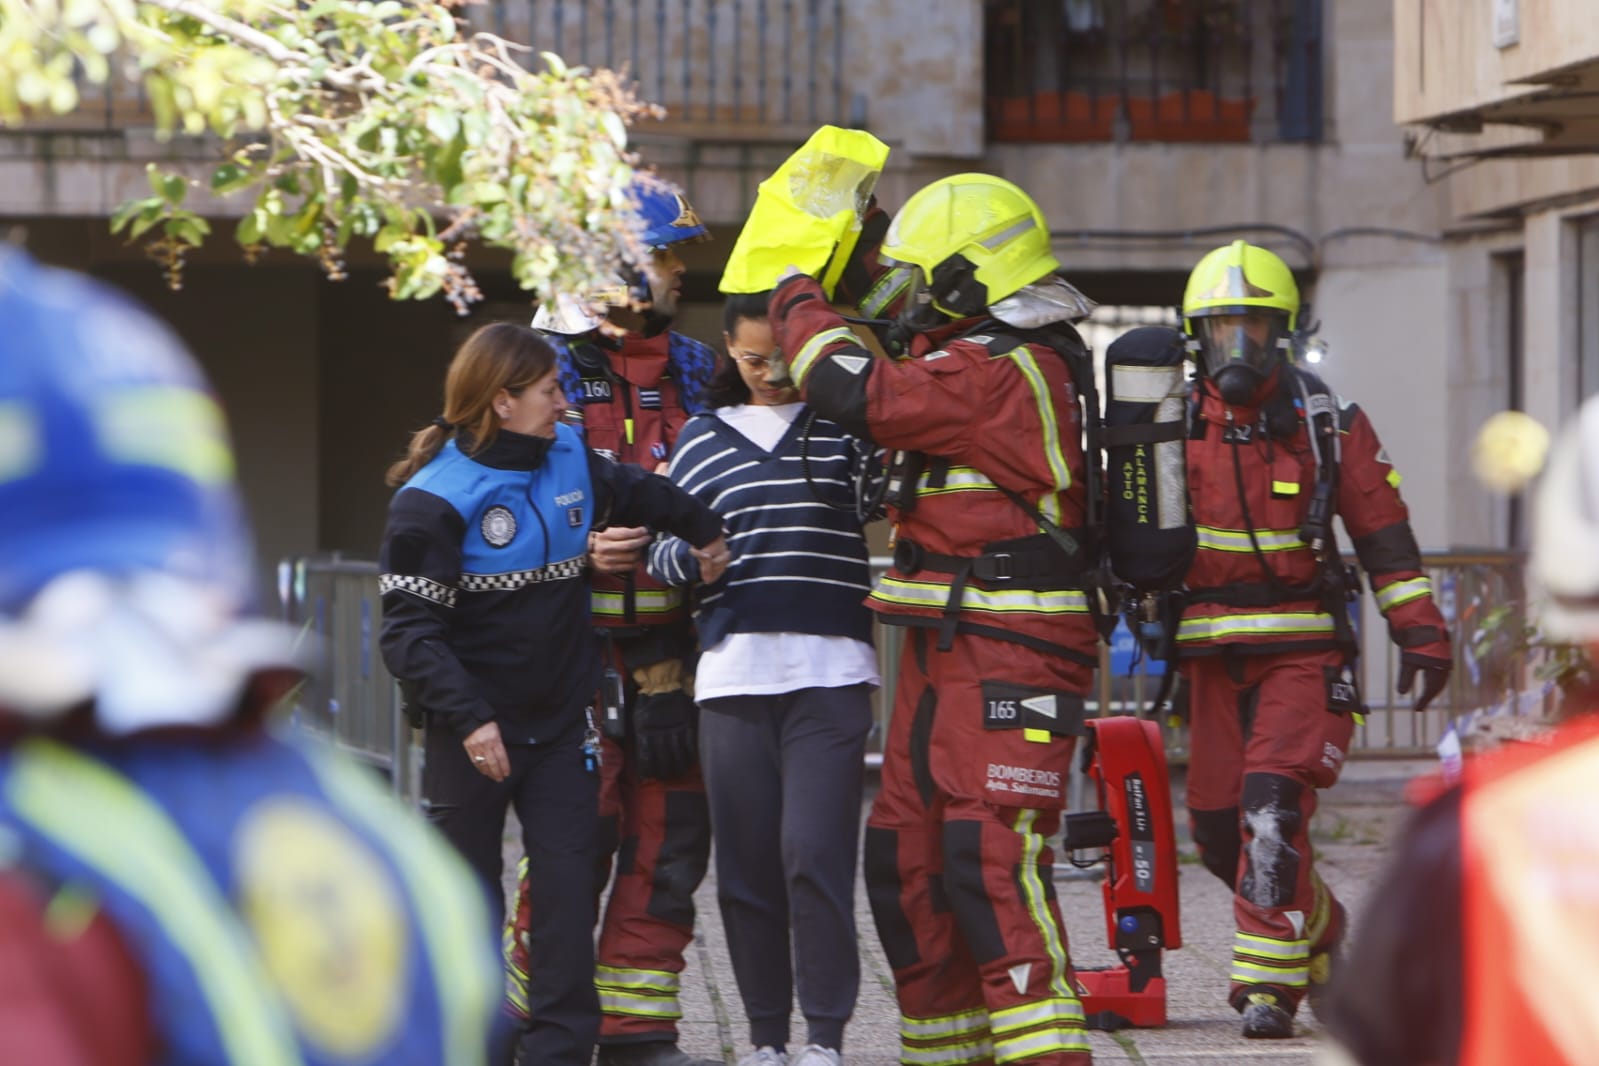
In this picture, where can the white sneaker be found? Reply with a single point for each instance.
(764, 1056)
(815, 1055)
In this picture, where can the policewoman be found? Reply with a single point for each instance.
(485, 623)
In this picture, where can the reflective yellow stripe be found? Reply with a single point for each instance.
(1042, 1042)
(1060, 470)
(1268, 948)
(1237, 540)
(896, 590)
(948, 1055)
(1250, 625)
(1285, 488)
(962, 1024)
(1038, 909)
(619, 978)
(956, 479)
(516, 977)
(812, 349)
(92, 811)
(645, 601)
(1390, 596)
(1268, 960)
(1320, 909)
(1066, 1012)
(432, 870)
(1394, 478)
(638, 1005)
(887, 288)
(1247, 973)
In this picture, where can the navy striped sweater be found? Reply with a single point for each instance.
(799, 565)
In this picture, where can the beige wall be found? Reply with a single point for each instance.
(1450, 62)
(1384, 353)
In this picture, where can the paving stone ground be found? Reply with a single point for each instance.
(1352, 832)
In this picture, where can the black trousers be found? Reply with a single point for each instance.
(784, 775)
(557, 801)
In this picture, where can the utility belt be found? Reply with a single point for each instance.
(1332, 587)
(1035, 562)
(1253, 594)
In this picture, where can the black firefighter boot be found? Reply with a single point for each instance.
(1267, 1015)
(650, 1053)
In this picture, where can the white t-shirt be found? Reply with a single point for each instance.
(767, 664)
(762, 425)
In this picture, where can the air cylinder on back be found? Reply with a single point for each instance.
(1149, 532)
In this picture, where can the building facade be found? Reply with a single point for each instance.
(1501, 102)
(1148, 130)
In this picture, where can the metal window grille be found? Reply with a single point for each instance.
(1154, 70)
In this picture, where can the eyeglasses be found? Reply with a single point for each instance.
(754, 360)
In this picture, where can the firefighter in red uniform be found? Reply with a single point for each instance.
(1264, 639)
(1495, 876)
(631, 389)
(1000, 646)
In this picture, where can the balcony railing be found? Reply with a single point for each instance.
(773, 65)
(1153, 70)
(772, 68)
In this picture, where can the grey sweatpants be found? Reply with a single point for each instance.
(784, 775)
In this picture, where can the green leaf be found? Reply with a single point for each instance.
(230, 177)
(130, 210)
(387, 236)
(487, 192)
(147, 218)
(443, 125)
(190, 231)
(249, 229)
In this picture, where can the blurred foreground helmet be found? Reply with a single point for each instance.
(1241, 305)
(976, 239)
(1565, 532)
(125, 563)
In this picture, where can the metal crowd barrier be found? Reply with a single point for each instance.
(355, 702)
(352, 701)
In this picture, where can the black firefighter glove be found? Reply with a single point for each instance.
(1434, 676)
(665, 722)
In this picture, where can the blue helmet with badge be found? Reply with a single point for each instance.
(667, 216)
(125, 558)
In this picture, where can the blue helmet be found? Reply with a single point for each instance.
(668, 219)
(114, 455)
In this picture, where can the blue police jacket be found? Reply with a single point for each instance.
(283, 908)
(485, 591)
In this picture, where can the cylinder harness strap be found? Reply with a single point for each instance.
(1333, 584)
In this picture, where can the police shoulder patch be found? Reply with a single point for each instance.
(328, 922)
(498, 526)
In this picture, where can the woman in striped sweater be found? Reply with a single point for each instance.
(784, 680)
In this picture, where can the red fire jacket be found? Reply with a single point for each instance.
(1495, 877)
(987, 414)
(1278, 476)
(70, 992)
(631, 401)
